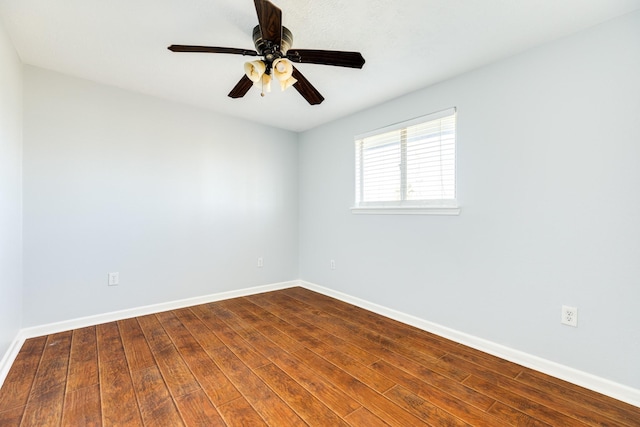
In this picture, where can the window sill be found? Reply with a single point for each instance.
(405, 210)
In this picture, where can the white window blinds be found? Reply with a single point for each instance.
(408, 164)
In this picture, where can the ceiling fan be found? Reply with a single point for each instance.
(273, 43)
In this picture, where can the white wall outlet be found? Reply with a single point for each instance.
(260, 262)
(114, 279)
(569, 316)
(332, 264)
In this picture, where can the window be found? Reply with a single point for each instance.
(409, 167)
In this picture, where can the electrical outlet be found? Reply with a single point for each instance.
(569, 316)
(114, 279)
(260, 262)
(332, 264)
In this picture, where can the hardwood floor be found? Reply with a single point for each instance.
(285, 358)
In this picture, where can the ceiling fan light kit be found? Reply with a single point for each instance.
(273, 43)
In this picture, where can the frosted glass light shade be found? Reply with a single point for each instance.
(255, 70)
(282, 71)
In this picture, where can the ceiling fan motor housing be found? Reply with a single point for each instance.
(267, 49)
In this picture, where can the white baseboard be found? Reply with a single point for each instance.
(10, 355)
(584, 379)
(82, 322)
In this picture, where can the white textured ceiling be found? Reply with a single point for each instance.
(407, 44)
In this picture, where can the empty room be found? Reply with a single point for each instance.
(330, 213)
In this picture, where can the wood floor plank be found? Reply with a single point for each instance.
(540, 412)
(264, 400)
(289, 357)
(373, 401)
(623, 413)
(196, 327)
(426, 342)
(156, 405)
(135, 345)
(239, 413)
(368, 376)
(370, 341)
(305, 404)
(45, 409)
(213, 381)
(11, 417)
(333, 397)
(484, 372)
(198, 411)
(117, 397)
(306, 333)
(387, 349)
(174, 370)
(82, 407)
(390, 328)
(267, 324)
(52, 371)
(410, 342)
(419, 341)
(109, 343)
(439, 396)
(560, 403)
(17, 385)
(46, 398)
(465, 356)
(343, 360)
(268, 405)
(83, 363)
(514, 417)
(422, 408)
(247, 329)
(337, 355)
(434, 380)
(350, 313)
(363, 417)
(245, 351)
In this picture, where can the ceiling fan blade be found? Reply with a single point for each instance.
(211, 49)
(270, 19)
(306, 89)
(241, 88)
(326, 57)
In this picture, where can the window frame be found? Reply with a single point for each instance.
(403, 206)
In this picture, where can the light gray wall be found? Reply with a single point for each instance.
(10, 192)
(548, 177)
(180, 201)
